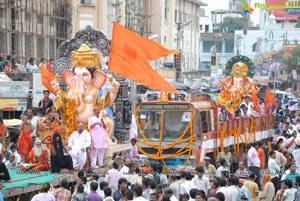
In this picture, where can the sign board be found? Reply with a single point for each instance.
(14, 89)
(214, 71)
(37, 89)
(261, 80)
(13, 104)
(164, 107)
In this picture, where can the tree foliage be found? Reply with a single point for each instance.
(231, 24)
(292, 61)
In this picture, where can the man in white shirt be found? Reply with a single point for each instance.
(124, 169)
(274, 170)
(231, 187)
(169, 192)
(296, 153)
(112, 177)
(289, 193)
(174, 185)
(33, 120)
(188, 184)
(201, 181)
(13, 150)
(254, 163)
(137, 192)
(11, 161)
(78, 143)
(221, 168)
(249, 105)
(223, 189)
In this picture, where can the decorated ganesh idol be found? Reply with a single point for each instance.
(87, 85)
(234, 88)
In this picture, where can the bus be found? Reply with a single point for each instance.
(174, 129)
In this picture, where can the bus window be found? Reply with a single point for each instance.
(150, 124)
(175, 123)
(205, 121)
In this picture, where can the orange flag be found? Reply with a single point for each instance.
(255, 101)
(129, 54)
(47, 77)
(270, 100)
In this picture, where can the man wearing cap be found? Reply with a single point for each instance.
(97, 126)
(209, 168)
(45, 105)
(226, 154)
(143, 121)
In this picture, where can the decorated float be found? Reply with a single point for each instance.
(179, 130)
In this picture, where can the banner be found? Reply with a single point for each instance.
(37, 89)
(13, 104)
(14, 89)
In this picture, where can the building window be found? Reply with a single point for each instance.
(86, 2)
(176, 13)
(229, 46)
(166, 9)
(219, 46)
(271, 35)
(207, 46)
(254, 47)
(206, 28)
(201, 27)
(39, 19)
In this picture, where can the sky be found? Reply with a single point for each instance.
(224, 4)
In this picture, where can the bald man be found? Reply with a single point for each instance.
(78, 143)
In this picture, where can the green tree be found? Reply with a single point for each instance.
(292, 61)
(298, 22)
(231, 24)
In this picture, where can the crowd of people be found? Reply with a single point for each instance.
(269, 169)
(13, 67)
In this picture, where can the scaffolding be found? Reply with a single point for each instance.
(34, 28)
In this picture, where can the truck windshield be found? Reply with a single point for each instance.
(174, 125)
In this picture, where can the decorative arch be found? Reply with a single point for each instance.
(240, 58)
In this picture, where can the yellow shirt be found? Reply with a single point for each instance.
(253, 189)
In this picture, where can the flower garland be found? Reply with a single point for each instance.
(222, 134)
(253, 129)
(159, 154)
(68, 111)
(236, 146)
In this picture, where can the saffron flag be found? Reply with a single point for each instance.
(47, 77)
(255, 101)
(270, 100)
(129, 54)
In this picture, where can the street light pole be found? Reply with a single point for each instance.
(178, 58)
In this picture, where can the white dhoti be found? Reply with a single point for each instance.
(79, 158)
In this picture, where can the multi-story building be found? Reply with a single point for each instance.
(176, 23)
(97, 13)
(33, 28)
